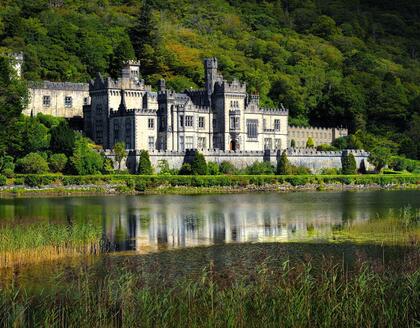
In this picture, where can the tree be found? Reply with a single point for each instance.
(380, 157)
(348, 164)
(120, 153)
(310, 143)
(293, 143)
(62, 139)
(32, 163)
(227, 167)
(213, 168)
(13, 99)
(145, 166)
(198, 164)
(57, 162)
(283, 164)
(85, 159)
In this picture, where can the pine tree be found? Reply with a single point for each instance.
(293, 143)
(145, 166)
(199, 165)
(283, 164)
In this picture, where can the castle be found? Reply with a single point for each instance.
(221, 116)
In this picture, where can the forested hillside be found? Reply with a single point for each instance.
(331, 62)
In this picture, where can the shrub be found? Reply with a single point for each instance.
(163, 167)
(37, 180)
(7, 167)
(283, 164)
(227, 167)
(3, 180)
(57, 162)
(198, 164)
(310, 143)
(85, 159)
(348, 164)
(140, 185)
(293, 143)
(330, 171)
(299, 170)
(108, 167)
(120, 153)
(63, 139)
(213, 168)
(185, 169)
(325, 147)
(145, 166)
(258, 168)
(9, 173)
(33, 163)
(19, 181)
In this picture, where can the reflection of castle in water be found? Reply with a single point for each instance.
(166, 225)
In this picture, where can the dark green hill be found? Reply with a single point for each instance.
(331, 62)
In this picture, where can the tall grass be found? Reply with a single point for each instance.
(22, 244)
(288, 297)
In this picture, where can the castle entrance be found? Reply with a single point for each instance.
(233, 145)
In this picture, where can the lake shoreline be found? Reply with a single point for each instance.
(118, 189)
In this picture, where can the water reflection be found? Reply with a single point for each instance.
(150, 223)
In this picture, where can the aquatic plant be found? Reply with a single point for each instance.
(284, 296)
(21, 244)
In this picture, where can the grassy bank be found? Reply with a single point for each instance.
(23, 244)
(286, 296)
(179, 183)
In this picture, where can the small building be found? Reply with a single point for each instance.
(320, 136)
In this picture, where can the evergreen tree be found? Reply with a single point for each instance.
(85, 159)
(198, 164)
(62, 139)
(283, 164)
(348, 164)
(120, 153)
(293, 143)
(145, 166)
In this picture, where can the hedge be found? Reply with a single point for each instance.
(142, 182)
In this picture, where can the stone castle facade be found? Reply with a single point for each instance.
(221, 116)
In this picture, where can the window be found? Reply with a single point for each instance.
(151, 123)
(181, 144)
(189, 142)
(151, 143)
(201, 143)
(181, 121)
(46, 101)
(116, 131)
(277, 125)
(188, 121)
(268, 143)
(277, 144)
(234, 123)
(68, 101)
(252, 128)
(201, 122)
(86, 101)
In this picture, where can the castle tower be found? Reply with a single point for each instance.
(131, 70)
(211, 74)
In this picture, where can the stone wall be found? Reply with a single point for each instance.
(312, 159)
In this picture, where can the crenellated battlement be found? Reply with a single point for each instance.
(67, 86)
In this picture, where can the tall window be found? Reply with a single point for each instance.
(277, 144)
(86, 101)
(181, 121)
(181, 144)
(68, 101)
(277, 125)
(234, 123)
(201, 143)
(151, 143)
(201, 122)
(151, 123)
(189, 142)
(116, 131)
(46, 101)
(188, 121)
(128, 134)
(268, 143)
(252, 129)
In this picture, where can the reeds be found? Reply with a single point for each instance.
(23, 244)
(283, 297)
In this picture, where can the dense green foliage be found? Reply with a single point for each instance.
(145, 166)
(33, 163)
(57, 162)
(85, 159)
(120, 153)
(331, 62)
